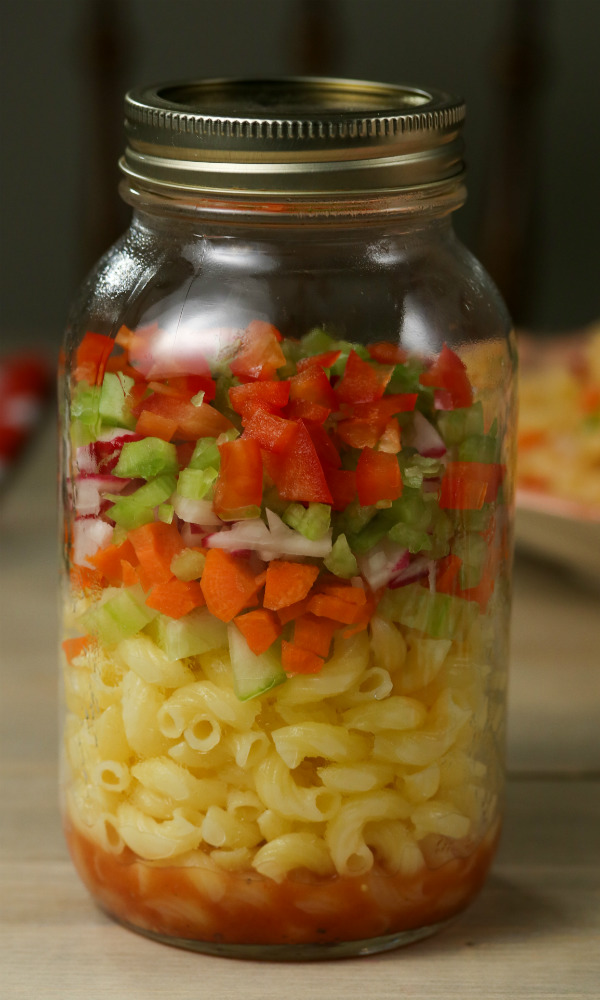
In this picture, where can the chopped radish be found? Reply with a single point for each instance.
(382, 562)
(89, 490)
(89, 535)
(103, 454)
(424, 437)
(194, 511)
(416, 570)
(270, 542)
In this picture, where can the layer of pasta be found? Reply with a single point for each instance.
(316, 813)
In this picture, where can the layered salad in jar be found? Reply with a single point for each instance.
(285, 611)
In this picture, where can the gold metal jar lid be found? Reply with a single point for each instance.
(291, 137)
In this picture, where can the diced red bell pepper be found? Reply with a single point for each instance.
(450, 373)
(251, 396)
(240, 481)
(91, 357)
(192, 421)
(390, 440)
(303, 409)
(377, 477)
(358, 433)
(328, 454)
(325, 360)
(386, 353)
(190, 385)
(362, 382)
(298, 473)
(260, 355)
(342, 485)
(312, 386)
(468, 485)
(382, 410)
(272, 433)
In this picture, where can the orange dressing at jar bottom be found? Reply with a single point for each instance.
(195, 904)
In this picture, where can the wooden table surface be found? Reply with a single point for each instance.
(533, 932)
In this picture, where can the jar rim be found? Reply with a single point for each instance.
(291, 136)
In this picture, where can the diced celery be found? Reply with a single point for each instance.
(252, 675)
(85, 414)
(414, 539)
(115, 407)
(195, 484)
(474, 520)
(272, 500)
(196, 633)
(478, 448)
(198, 399)
(405, 378)
(188, 564)
(472, 550)
(205, 455)
(312, 521)
(372, 533)
(166, 512)
(442, 616)
(146, 458)
(341, 560)
(231, 435)
(354, 518)
(122, 615)
(456, 425)
(415, 468)
(128, 514)
(138, 508)
(221, 402)
(339, 366)
(316, 341)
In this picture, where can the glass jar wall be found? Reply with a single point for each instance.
(288, 459)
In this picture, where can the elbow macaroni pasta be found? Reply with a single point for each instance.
(361, 764)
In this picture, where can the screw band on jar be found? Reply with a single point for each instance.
(300, 137)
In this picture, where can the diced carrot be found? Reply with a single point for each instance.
(75, 647)
(287, 583)
(363, 617)
(108, 561)
(83, 578)
(448, 569)
(155, 425)
(327, 606)
(260, 579)
(155, 545)
(292, 612)
(92, 355)
(481, 592)
(352, 595)
(299, 661)
(260, 629)
(590, 398)
(228, 584)
(130, 574)
(119, 363)
(175, 598)
(531, 438)
(314, 634)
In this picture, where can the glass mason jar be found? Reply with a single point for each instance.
(287, 484)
